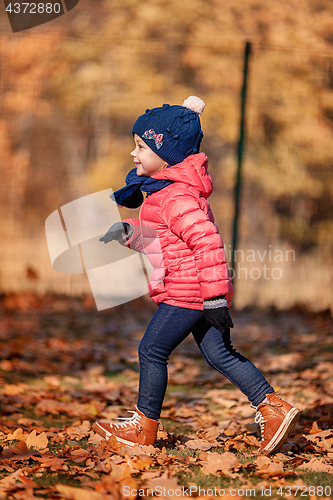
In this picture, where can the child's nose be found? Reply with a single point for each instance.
(132, 153)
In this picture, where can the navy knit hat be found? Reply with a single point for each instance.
(172, 132)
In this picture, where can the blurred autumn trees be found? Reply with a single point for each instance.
(71, 90)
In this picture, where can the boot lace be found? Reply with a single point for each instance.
(132, 421)
(259, 419)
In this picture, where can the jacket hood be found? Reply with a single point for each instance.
(191, 171)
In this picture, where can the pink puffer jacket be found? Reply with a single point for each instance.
(188, 256)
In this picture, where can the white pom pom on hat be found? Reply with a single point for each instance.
(195, 104)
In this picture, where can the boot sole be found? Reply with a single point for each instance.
(106, 435)
(282, 433)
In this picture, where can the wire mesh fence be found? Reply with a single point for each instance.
(68, 102)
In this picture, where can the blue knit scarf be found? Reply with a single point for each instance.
(131, 196)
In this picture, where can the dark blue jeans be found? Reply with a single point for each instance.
(169, 326)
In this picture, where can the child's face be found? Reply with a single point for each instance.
(146, 161)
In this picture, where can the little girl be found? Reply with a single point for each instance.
(191, 283)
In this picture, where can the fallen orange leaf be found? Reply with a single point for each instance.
(71, 493)
(140, 463)
(39, 442)
(209, 434)
(17, 435)
(79, 431)
(198, 444)
(317, 465)
(271, 470)
(314, 429)
(213, 462)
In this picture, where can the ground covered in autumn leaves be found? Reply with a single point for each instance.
(63, 365)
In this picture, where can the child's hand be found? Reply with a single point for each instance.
(120, 231)
(217, 314)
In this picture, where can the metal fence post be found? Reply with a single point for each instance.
(240, 152)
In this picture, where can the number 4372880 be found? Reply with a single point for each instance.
(33, 8)
(304, 491)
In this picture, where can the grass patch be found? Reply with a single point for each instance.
(318, 479)
(186, 453)
(53, 479)
(174, 427)
(207, 482)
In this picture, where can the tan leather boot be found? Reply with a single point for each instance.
(138, 429)
(276, 418)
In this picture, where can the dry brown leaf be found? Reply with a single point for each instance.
(112, 444)
(122, 471)
(163, 458)
(48, 406)
(251, 440)
(79, 452)
(105, 448)
(236, 443)
(262, 461)
(282, 456)
(139, 463)
(27, 421)
(314, 429)
(232, 429)
(39, 442)
(322, 439)
(114, 489)
(25, 495)
(73, 409)
(19, 449)
(95, 438)
(17, 435)
(52, 462)
(225, 463)
(79, 431)
(6, 468)
(13, 389)
(25, 480)
(268, 467)
(184, 412)
(10, 483)
(209, 434)
(198, 444)
(271, 470)
(70, 493)
(317, 465)
(142, 450)
(318, 436)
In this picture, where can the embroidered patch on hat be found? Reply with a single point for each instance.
(158, 138)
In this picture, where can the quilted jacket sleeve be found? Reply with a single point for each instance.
(187, 220)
